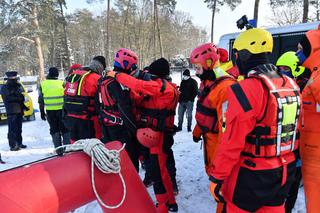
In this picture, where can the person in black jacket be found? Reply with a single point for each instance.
(189, 90)
(13, 100)
(115, 114)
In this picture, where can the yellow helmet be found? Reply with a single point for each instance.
(255, 40)
(289, 59)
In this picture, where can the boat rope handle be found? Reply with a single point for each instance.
(107, 161)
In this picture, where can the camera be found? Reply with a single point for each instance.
(242, 22)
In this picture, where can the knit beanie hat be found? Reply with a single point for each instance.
(53, 72)
(186, 72)
(98, 64)
(101, 59)
(159, 67)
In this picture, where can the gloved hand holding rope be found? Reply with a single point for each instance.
(107, 161)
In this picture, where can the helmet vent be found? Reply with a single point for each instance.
(263, 43)
(204, 52)
(252, 43)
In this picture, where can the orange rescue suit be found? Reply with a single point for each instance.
(215, 100)
(310, 131)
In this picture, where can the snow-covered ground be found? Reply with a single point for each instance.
(193, 183)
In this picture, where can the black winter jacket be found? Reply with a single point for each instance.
(188, 89)
(12, 97)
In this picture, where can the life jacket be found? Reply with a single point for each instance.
(206, 115)
(76, 99)
(158, 119)
(109, 112)
(276, 133)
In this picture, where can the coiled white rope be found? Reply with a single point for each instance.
(107, 161)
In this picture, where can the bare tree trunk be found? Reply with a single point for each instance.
(158, 29)
(154, 28)
(318, 10)
(37, 41)
(65, 35)
(107, 49)
(212, 19)
(123, 44)
(305, 11)
(256, 10)
(52, 43)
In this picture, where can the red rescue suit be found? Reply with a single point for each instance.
(255, 158)
(79, 103)
(156, 111)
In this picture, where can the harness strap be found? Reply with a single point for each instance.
(269, 141)
(164, 85)
(206, 110)
(241, 97)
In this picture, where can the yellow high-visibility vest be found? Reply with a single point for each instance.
(52, 94)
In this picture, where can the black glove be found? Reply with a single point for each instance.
(215, 187)
(43, 115)
(196, 139)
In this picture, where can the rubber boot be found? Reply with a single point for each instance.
(66, 138)
(56, 139)
(162, 203)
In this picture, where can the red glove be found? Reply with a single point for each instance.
(215, 189)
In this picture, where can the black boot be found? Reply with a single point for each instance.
(15, 148)
(22, 146)
(173, 207)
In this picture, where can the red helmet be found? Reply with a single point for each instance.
(148, 137)
(223, 53)
(75, 66)
(206, 55)
(125, 59)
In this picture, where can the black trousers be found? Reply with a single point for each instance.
(122, 134)
(55, 121)
(293, 193)
(80, 128)
(15, 129)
